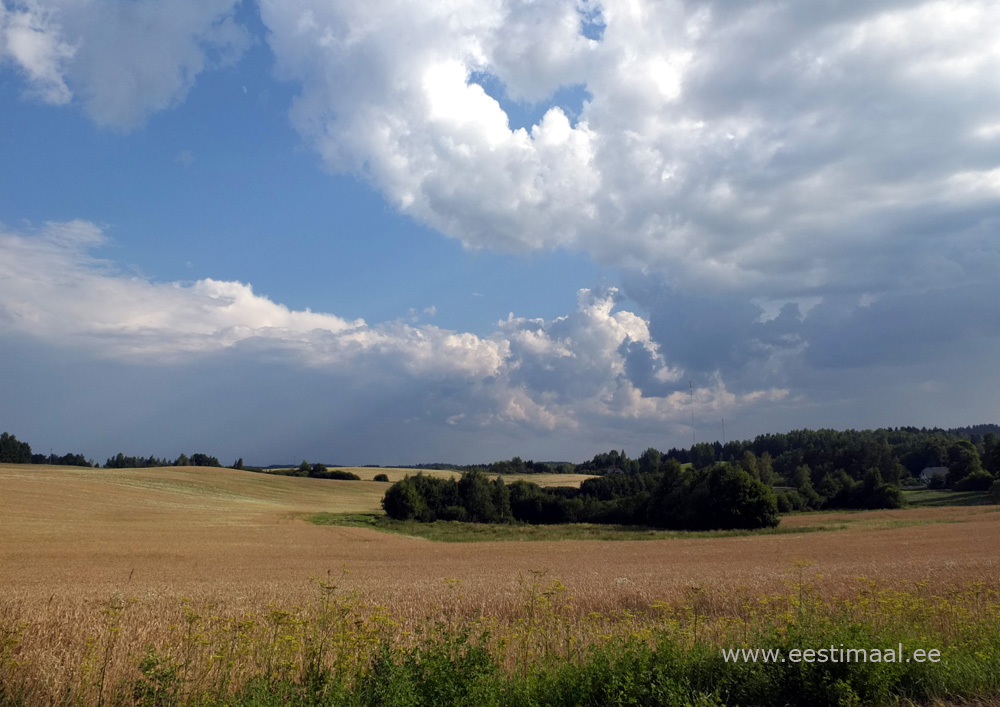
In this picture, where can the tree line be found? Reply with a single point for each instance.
(898, 454)
(120, 461)
(830, 468)
(13, 451)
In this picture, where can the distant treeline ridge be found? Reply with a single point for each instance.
(808, 468)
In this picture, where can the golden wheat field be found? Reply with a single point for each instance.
(155, 542)
(87, 533)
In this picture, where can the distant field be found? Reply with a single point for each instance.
(74, 542)
(935, 498)
(367, 473)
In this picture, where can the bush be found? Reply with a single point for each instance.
(976, 481)
(791, 500)
(994, 493)
(381, 477)
(341, 475)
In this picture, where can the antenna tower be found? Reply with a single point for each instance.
(694, 439)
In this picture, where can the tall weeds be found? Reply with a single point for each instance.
(339, 650)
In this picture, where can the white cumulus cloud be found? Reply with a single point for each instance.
(776, 149)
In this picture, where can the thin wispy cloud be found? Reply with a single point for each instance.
(185, 157)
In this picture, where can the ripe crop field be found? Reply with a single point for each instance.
(88, 554)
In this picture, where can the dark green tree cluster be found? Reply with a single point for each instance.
(991, 453)
(204, 460)
(473, 498)
(720, 497)
(825, 451)
(896, 452)
(317, 471)
(608, 463)
(121, 461)
(12, 451)
(798, 488)
(836, 489)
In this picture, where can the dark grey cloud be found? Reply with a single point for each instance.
(902, 329)
(709, 335)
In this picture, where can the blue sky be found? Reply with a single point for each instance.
(221, 186)
(465, 231)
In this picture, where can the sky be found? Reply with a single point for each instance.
(456, 230)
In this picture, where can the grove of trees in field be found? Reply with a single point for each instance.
(720, 496)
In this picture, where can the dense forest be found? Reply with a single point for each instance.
(899, 453)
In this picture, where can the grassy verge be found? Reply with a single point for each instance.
(453, 531)
(339, 651)
(935, 498)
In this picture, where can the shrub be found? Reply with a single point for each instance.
(976, 481)
(791, 500)
(994, 492)
(341, 475)
(381, 477)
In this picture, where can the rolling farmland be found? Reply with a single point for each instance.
(157, 540)
(85, 532)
